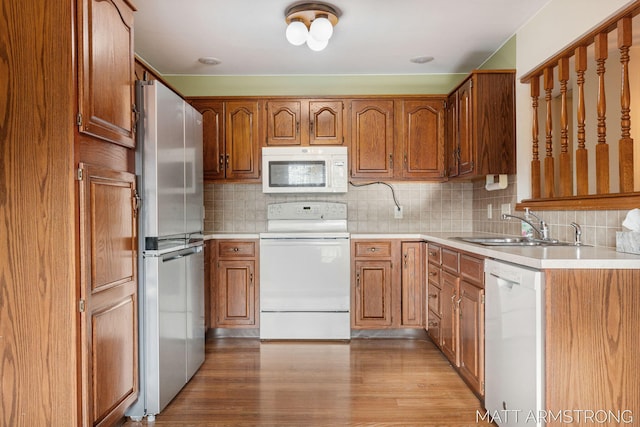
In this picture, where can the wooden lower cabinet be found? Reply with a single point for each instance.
(235, 291)
(387, 284)
(372, 294)
(456, 310)
(108, 296)
(471, 339)
(591, 343)
(449, 321)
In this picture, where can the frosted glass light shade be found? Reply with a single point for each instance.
(297, 33)
(321, 29)
(316, 45)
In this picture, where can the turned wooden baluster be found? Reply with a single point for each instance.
(625, 146)
(535, 162)
(582, 162)
(549, 175)
(602, 148)
(566, 178)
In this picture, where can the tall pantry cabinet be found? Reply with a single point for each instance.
(68, 307)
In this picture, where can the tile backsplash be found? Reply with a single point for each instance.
(427, 207)
(598, 227)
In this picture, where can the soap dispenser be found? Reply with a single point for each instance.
(526, 229)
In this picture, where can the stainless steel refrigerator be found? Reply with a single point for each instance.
(171, 291)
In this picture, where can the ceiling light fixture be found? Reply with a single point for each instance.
(209, 60)
(311, 23)
(421, 59)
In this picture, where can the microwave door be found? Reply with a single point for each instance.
(297, 174)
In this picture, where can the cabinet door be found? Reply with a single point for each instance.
(465, 128)
(372, 294)
(325, 123)
(213, 152)
(283, 123)
(472, 336)
(236, 293)
(109, 316)
(449, 321)
(452, 146)
(433, 328)
(242, 143)
(412, 284)
(106, 73)
(423, 139)
(372, 135)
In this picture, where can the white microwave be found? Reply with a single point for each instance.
(320, 169)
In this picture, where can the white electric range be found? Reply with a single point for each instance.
(305, 272)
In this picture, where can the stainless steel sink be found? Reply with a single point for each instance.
(512, 241)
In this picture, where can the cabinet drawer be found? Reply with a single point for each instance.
(433, 274)
(231, 248)
(450, 260)
(433, 298)
(434, 254)
(372, 249)
(472, 269)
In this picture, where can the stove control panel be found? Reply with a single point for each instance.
(307, 210)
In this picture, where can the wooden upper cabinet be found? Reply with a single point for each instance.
(231, 138)
(465, 129)
(304, 122)
(242, 140)
(372, 137)
(481, 138)
(283, 122)
(325, 123)
(106, 90)
(423, 139)
(213, 155)
(451, 141)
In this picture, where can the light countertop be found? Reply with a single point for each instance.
(540, 257)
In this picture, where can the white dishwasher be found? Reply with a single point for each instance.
(514, 344)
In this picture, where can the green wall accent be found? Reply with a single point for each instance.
(312, 85)
(503, 58)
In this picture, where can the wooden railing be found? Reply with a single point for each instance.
(560, 189)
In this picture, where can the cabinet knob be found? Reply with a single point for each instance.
(433, 323)
(433, 295)
(236, 249)
(433, 273)
(372, 249)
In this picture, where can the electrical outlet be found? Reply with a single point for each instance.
(489, 211)
(397, 212)
(506, 208)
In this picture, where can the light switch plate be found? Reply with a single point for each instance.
(506, 208)
(489, 211)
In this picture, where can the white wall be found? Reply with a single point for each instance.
(558, 24)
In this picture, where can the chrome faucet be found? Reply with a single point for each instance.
(578, 235)
(543, 230)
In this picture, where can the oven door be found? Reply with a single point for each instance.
(304, 274)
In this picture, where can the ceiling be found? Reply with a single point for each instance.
(372, 37)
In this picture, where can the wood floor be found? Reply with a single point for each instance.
(367, 382)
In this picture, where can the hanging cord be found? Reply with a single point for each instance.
(393, 193)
